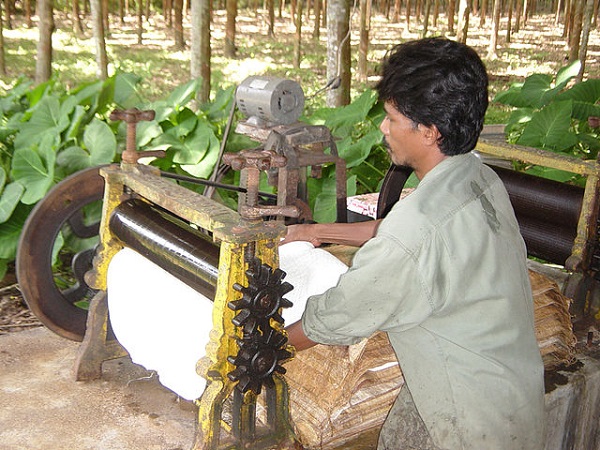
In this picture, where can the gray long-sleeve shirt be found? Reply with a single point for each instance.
(446, 278)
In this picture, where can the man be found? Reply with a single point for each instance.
(444, 274)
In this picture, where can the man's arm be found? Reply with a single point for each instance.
(297, 338)
(355, 234)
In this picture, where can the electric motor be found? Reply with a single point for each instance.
(272, 99)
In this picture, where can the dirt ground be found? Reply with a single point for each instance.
(14, 313)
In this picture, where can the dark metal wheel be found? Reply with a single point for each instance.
(61, 210)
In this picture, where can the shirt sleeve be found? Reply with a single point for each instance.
(383, 290)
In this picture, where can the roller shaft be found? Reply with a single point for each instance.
(177, 248)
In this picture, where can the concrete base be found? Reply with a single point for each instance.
(42, 407)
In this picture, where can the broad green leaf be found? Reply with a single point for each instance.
(355, 153)
(11, 195)
(582, 110)
(205, 167)
(548, 127)
(341, 121)
(100, 142)
(34, 169)
(126, 92)
(100, 148)
(194, 147)
(11, 230)
(550, 173)
(534, 89)
(182, 94)
(585, 97)
(76, 120)
(219, 108)
(513, 97)
(2, 178)
(47, 119)
(146, 131)
(186, 122)
(73, 159)
(566, 74)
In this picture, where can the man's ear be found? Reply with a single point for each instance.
(431, 134)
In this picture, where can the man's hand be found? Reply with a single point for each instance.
(355, 234)
(304, 232)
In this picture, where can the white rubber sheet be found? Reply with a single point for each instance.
(164, 324)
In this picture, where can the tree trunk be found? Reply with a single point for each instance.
(426, 15)
(27, 8)
(464, 10)
(231, 6)
(271, 13)
(77, 24)
(585, 36)
(396, 16)
(518, 15)
(99, 39)
(140, 21)
(105, 17)
(451, 9)
(526, 6)
(2, 60)
(178, 24)
(509, 22)
(495, 30)
(317, 30)
(436, 11)
(482, 13)
(575, 40)
(408, 8)
(200, 57)
(43, 66)
(363, 46)
(557, 13)
(298, 36)
(8, 9)
(338, 52)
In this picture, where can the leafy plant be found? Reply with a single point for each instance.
(48, 134)
(552, 114)
(359, 143)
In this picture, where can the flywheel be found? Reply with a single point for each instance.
(64, 213)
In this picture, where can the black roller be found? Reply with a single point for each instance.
(542, 199)
(165, 240)
(546, 240)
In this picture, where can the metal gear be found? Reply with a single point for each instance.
(262, 347)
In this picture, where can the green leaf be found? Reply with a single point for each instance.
(585, 96)
(2, 178)
(47, 119)
(513, 97)
(146, 131)
(126, 92)
(535, 88)
(100, 142)
(100, 148)
(11, 195)
(34, 169)
(11, 230)
(341, 121)
(550, 173)
(357, 152)
(549, 127)
(182, 94)
(76, 121)
(567, 73)
(194, 147)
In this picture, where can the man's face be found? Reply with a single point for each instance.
(402, 137)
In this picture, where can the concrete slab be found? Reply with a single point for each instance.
(42, 407)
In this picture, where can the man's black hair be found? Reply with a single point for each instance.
(439, 82)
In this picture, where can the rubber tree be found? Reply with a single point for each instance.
(464, 11)
(200, 57)
(495, 29)
(178, 24)
(99, 39)
(2, 60)
(338, 52)
(298, 36)
(229, 49)
(43, 66)
(363, 46)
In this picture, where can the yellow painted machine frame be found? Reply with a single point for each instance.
(237, 237)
